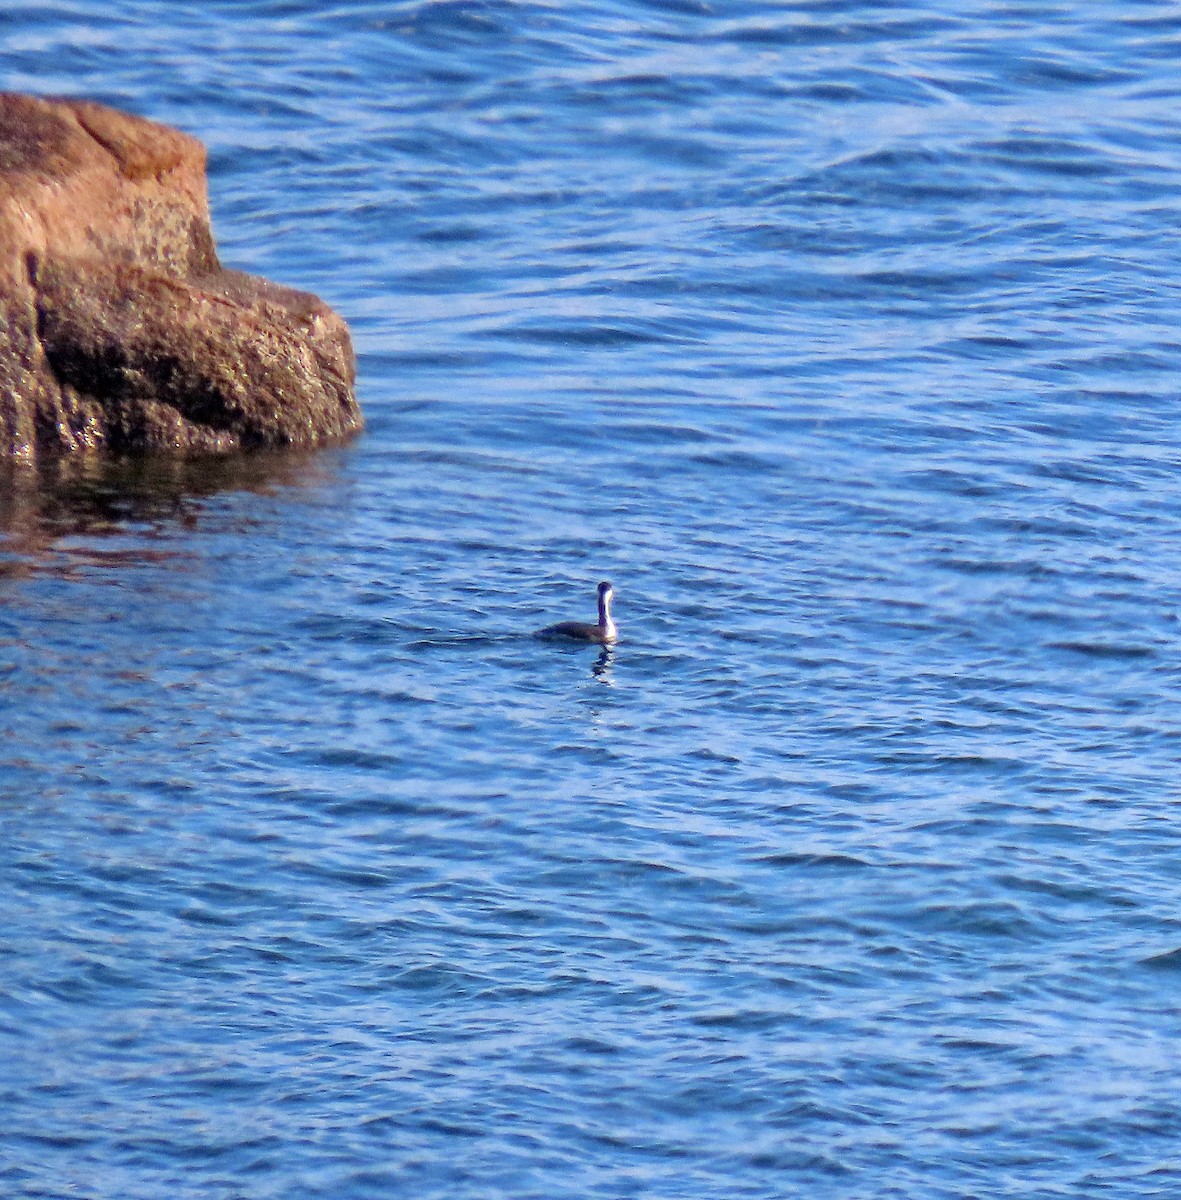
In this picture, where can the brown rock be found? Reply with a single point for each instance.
(119, 329)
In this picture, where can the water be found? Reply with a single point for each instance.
(841, 337)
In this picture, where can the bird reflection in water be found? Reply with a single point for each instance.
(603, 664)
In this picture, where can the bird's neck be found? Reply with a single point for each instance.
(605, 623)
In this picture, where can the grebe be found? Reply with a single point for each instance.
(605, 631)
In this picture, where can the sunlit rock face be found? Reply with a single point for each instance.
(119, 329)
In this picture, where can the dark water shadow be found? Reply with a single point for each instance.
(69, 497)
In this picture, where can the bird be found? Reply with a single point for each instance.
(604, 632)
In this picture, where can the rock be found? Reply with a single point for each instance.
(119, 329)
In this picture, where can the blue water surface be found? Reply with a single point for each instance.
(842, 337)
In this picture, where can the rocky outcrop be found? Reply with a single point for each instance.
(119, 329)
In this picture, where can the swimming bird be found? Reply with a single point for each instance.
(605, 631)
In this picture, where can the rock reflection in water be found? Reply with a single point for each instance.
(43, 506)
